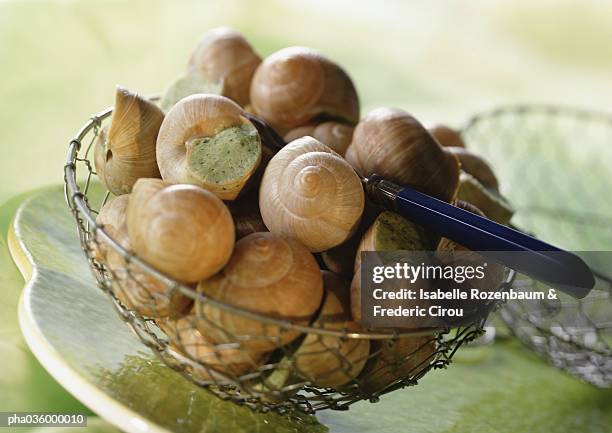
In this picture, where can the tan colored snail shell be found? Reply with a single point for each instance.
(446, 136)
(126, 152)
(139, 290)
(327, 360)
(310, 193)
(394, 360)
(184, 231)
(268, 275)
(212, 362)
(224, 55)
(134, 287)
(336, 135)
(296, 85)
(393, 144)
(475, 165)
(205, 140)
(112, 219)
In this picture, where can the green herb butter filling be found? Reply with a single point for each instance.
(396, 233)
(228, 156)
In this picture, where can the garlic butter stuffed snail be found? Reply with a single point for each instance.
(393, 144)
(126, 152)
(184, 231)
(310, 193)
(224, 55)
(336, 135)
(266, 274)
(211, 362)
(389, 232)
(206, 140)
(297, 85)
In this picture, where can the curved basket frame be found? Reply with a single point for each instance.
(303, 395)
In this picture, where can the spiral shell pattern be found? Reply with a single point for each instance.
(184, 231)
(268, 275)
(294, 85)
(310, 193)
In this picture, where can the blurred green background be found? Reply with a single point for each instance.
(440, 60)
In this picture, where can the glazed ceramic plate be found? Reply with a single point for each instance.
(73, 330)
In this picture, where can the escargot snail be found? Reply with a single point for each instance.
(266, 274)
(224, 55)
(126, 152)
(393, 144)
(296, 85)
(206, 140)
(328, 360)
(212, 362)
(310, 193)
(183, 230)
(336, 135)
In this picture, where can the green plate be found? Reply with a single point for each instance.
(71, 327)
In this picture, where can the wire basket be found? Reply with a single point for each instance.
(555, 163)
(305, 367)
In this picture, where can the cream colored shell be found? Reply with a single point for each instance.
(310, 193)
(210, 362)
(184, 231)
(128, 152)
(194, 117)
(224, 55)
(268, 275)
(295, 85)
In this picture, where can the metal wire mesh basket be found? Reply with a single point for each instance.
(555, 163)
(304, 366)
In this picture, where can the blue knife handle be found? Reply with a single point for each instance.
(540, 260)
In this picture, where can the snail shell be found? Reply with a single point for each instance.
(389, 232)
(184, 231)
(394, 360)
(476, 166)
(269, 275)
(141, 291)
(446, 136)
(112, 218)
(296, 85)
(326, 360)
(492, 204)
(224, 55)
(336, 135)
(310, 193)
(393, 144)
(213, 362)
(127, 152)
(206, 140)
